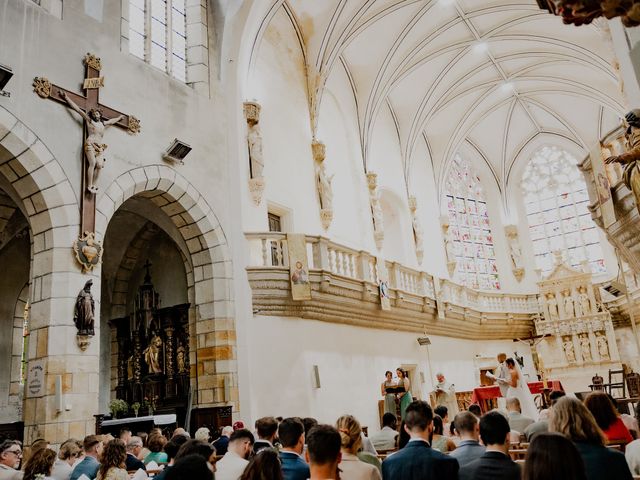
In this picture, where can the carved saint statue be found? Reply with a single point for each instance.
(568, 305)
(516, 252)
(603, 346)
(93, 146)
(152, 355)
(376, 210)
(585, 346)
(180, 360)
(448, 243)
(324, 187)
(552, 304)
(585, 301)
(254, 140)
(631, 157)
(569, 352)
(418, 232)
(84, 312)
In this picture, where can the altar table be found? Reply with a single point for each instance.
(483, 396)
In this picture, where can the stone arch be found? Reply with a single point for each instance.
(213, 346)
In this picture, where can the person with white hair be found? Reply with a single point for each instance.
(202, 434)
(445, 394)
(222, 444)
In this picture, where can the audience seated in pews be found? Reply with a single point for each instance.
(632, 452)
(417, 459)
(517, 421)
(134, 447)
(68, 455)
(267, 430)
(191, 467)
(495, 463)
(607, 418)
(542, 425)
(222, 442)
(112, 461)
(386, 438)
(171, 448)
(323, 452)
(469, 448)
(39, 464)
(231, 466)
(351, 441)
(552, 456)
(292, 438)
(125, 435)
(203, 434)
(570, 417)
(264, 465)
(475, 409)
(92, 446)
(439, 441)
(156, 444)
(443, 412)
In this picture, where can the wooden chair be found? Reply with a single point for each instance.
(616, 386)
(633, 384)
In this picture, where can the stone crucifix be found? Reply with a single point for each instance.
(96, 119)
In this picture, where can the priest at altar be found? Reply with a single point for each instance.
(445, 394)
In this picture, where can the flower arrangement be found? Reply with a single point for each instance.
(135, 407)
(117, 407)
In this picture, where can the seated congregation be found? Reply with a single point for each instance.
(571, 440)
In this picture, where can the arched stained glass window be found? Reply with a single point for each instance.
(469, 228)
(556, 199)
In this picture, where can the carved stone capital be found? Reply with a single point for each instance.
(372, 181)
(413, 204)
(83, 341)
(256, 187)
(319, 150)
(326, 217)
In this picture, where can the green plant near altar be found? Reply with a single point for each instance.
(118, 407)
(135, 407)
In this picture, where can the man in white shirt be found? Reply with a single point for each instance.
(232, 465)
(385, 439)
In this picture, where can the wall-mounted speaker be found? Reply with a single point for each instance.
(316, 376)
(58, 395)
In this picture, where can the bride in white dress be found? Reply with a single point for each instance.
(520, 390)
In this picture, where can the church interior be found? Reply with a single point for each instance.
(217, 211)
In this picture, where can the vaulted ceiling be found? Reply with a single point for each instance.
(493, 75)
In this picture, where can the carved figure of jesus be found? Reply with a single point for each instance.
(93, 146)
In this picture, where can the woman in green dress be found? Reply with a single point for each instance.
(404, 397)
(389, 397)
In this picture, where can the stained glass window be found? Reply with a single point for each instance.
(556, 199)
(158, 34)
(469, 229)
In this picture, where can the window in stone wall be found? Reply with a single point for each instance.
(555, 200)
(470, 229)
(158, 34)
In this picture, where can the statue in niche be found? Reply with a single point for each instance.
(631, 157)
(254, 139)
(569, 351)
(568, 305)
(603, 346)
(552, 304)
(85, 310)
(418, 233)
(585, 347)
(180, 360)
(93, 146)
(324, 187)
(585, 301)
(515, 252)
(152, 355)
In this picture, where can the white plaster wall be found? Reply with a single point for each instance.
(352, 362)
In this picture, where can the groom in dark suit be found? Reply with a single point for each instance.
(417, 460)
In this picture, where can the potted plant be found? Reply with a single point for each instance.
(118, 407)
(135, 407)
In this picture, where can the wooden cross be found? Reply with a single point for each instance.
(86, 103)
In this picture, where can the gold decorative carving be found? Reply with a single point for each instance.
(42, 86)
(92, 61)
(133, 125)
(319, 150)
(256, 187)
(88, 251)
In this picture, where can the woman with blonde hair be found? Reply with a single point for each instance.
(351, 466)
(67, 457)
(571, 418)
(112, 461)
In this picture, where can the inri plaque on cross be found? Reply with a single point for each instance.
(97, 118)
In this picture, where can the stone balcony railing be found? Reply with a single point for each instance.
(344, 284)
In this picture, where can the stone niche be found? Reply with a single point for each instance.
(580, 340)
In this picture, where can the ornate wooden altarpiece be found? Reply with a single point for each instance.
(153, 352)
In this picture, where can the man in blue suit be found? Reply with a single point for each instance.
(417, 460)
(291, 435)
(89, 466)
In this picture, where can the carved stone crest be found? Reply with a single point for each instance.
(133, 126)
(92, 61)
(88, 251)
(42, 86)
